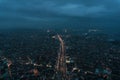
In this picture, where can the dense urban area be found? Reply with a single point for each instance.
(32, 54)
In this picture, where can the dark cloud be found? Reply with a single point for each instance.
(71, 7)
(21, 11)
(89, 8)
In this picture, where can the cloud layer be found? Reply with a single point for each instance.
(52, 10)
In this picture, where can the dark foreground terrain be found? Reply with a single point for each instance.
(32, 54)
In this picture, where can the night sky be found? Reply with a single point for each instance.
(35, 13)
